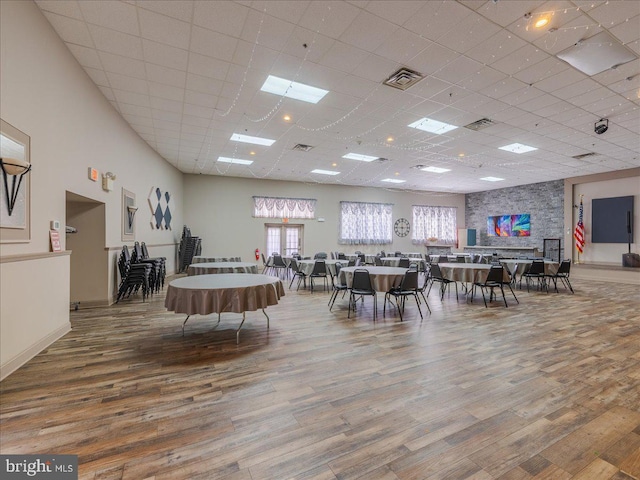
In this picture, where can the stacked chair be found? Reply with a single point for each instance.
(156, 279)
(133, 276)
(189, 247)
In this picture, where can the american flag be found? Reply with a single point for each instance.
(579, 233)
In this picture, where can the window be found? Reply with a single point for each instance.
(276, 207)
(434, 224)
(365, 223)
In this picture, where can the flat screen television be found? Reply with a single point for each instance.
(612, 220)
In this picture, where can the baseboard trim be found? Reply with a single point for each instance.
(12, 365)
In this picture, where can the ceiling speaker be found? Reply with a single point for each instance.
(601, 126)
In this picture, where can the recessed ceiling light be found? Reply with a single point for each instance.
(358, 156)
(237, 161)
(432, 126)
(461, 155)
(325, 172)
(286, 118)
(518, 148)
(297, 91)
(389, 139)
(237, 137)
(252, 152)
(541, 22)
(435, 169)
(392, 180)
(492, 179)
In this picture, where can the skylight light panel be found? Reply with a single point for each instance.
(518, 148)
(358, 156)
(237, 161)
(295, 90)
(492, 179)
(392, 180)
(237, 137)
(325, 172)
(432, 126)
(435, 169)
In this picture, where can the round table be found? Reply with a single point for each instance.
(468, 272)
(203, 259)
(306, 266)
(221, 267)
(382, 278)
(225, 292)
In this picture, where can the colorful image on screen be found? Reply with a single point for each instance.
(509, 225)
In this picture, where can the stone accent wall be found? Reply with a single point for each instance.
(544, 201)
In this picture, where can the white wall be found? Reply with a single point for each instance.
(47, 95)
(612, 184)
(219, 210)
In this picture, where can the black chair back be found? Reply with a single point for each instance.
(565, 267)
(536, 268)
(410, 281)
(404, 262)
(319, 268)
(435, 271)
(361, 281)
(495, 275)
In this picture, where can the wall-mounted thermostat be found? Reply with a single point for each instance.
(54, 225)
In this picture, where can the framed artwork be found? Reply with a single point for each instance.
(15, 185)
(509, 225)
(129, 210)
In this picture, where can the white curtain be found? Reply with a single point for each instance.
(365, 223)
(276, 207)
(434, 224)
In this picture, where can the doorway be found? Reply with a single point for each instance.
(285, 239)
(85, 219)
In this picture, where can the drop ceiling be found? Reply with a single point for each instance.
(186, 75)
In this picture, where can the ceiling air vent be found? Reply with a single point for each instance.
(584, 155)
(302, 147)
(403, 78)
(480, 124)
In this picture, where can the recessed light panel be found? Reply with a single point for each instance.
(236, 137)
(518, 148)
(435, 169)
(392, 180)
(432, 126)
(358, 156)
(237, 161)
(295, 90)
(492, 179)
(325, 172)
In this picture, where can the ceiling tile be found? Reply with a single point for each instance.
(165, 55)
(117, 16)
(163, 29)
(368, 32)
(182, 10)
(222, 17)
(123, 65)
(212, 44)
(87, 57)
(70, 30)
(118, 43)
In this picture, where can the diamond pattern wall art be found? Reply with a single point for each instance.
(160, 210)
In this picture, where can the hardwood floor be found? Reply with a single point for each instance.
(547, 389)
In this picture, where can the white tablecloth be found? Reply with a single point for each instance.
(221, 267)
(468, 272)
(382, 278)
(203, 259)
(225, 292)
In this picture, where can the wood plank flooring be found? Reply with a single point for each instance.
(545, 389)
